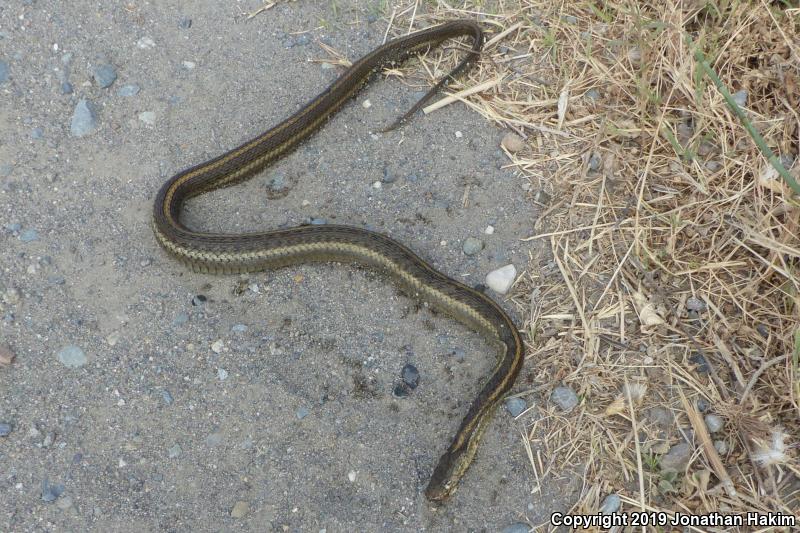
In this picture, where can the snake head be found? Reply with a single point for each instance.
(446, 475)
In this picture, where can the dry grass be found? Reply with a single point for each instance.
(664, 259)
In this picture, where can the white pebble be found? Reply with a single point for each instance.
(377, 185)
(489, 230)
(459, 134)
(351, 475)
(148, 117)
(189, 65)
(501, 279)
(366, 104)
(217, 346)
(145, 43)
(222, 374)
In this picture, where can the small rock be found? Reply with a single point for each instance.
(594, 161)
(37, 133)
(113, 338)
(72, 357)
(301, 413)
(5, 429)
(516, 406)
(167, 397)
(721, 446)
(84, 119)
(489, 230)
(104, 75)
(696, 304)
(677, 458)
(714, 423)
(50, 493)
(189, 65)
(5, 170)
(128, 90)
(517, 527)
(239, 328)
(240, 509)
(660, 416)
(703, 405)
(410, 376)
(185, 23)
(4, 75)
(611, 504)
(217, 346)
(400, 390)
(6, 355)
(512, 142)
(740, 97)
(472, 246)
(174, 451)
(222, 374)
(565, 398)
(145, 42)
(351, 475)
(592, 94)
(215, 439)
(459, 354)
(66, 87)
(199, 300)
(148, 117)
(501, 279)
(180, 318)
(29, 235)
(64, 503)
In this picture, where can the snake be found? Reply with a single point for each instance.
(224, 253)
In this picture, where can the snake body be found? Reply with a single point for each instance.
(247, 252)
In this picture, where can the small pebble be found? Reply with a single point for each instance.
(5, 170)
(5, 429)
(199, 300)
(64, 503)
(29, 235)
(410, 376)
(565, 398)
(128, 90)
(472, 246)
(301, 413)
(180, 318)
(84, 119)
(174, 451)
(400, 390)
(501, 279)
(515, 406)
(215, 439)
(240, 509)
(611, 504)
(148, 117)
(239, 328)
(703, 405)
(222, 374)
(185, 23)
(512, 142)
(677, 458)
(4, 75)
(351, 475)
(489, 230)
(594, 161)
(721, 446)
(366, 104)
(740, 97)
(50, 493)
(714, 423)
(459, 135)
(217, 346)
(145, 42)
(6, 355)
(695, 304)
(459, 354)
(66, 87)
(517, 527)
(104, 75)
(188, 65)
(37, 133)
(592, 94)
(167, 397)
(72, 357)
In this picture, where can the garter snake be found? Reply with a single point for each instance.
(247, 252)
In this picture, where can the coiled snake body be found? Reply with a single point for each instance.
(247, 252)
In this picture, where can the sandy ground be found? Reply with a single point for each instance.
(275, 392)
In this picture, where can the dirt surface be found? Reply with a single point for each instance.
(268, 403)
